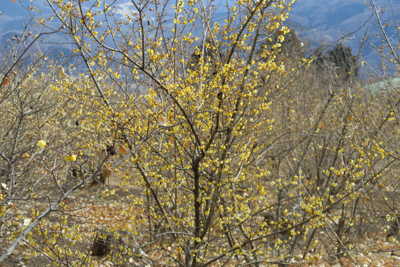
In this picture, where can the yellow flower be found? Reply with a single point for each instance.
(41, 143)
(69, 158)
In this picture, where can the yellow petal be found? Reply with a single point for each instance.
(41, 143)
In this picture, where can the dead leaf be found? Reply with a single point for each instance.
(12, 1)
(162, 121)
(349, 118)
(27, 222)
(280, 32)
(106, 172)
(6, 81)
(321, 125)
(172, 139)
(4, 186)
(122, 149)
(102, 153)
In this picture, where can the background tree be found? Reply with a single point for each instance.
(339, 61)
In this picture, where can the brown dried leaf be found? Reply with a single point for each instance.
(6, 81)
(162, 121)
(122, 149)
(106, 172)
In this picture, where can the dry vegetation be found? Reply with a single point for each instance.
(182, 141)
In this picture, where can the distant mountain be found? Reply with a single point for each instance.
(328, 20)
(325, 20)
